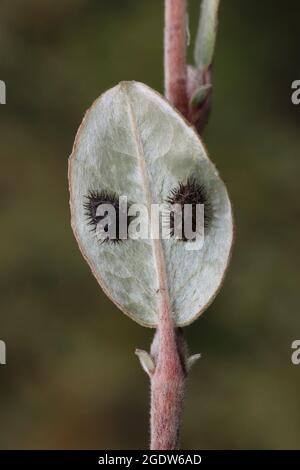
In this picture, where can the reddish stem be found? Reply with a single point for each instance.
(175, 54)
(168, 378)
(167, 384)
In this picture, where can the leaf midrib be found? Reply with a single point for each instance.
(157, 249)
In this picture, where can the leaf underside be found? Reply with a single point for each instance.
(133, 143)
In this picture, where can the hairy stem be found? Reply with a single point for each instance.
(175, 54)
(167, 386)
(168, 376)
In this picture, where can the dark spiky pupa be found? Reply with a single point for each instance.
(96, 199)
(192, 192)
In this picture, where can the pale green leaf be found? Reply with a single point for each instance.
(134, 143)
(207, 32)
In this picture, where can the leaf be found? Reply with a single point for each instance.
(207, 32)
(146, 361)
(132, 142)
(200, 95)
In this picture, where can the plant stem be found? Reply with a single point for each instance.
(175, 54)
(167, 384)
(169, 374)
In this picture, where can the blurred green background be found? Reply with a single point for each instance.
(71, 379)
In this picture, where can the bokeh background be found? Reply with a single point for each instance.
(71, 379)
